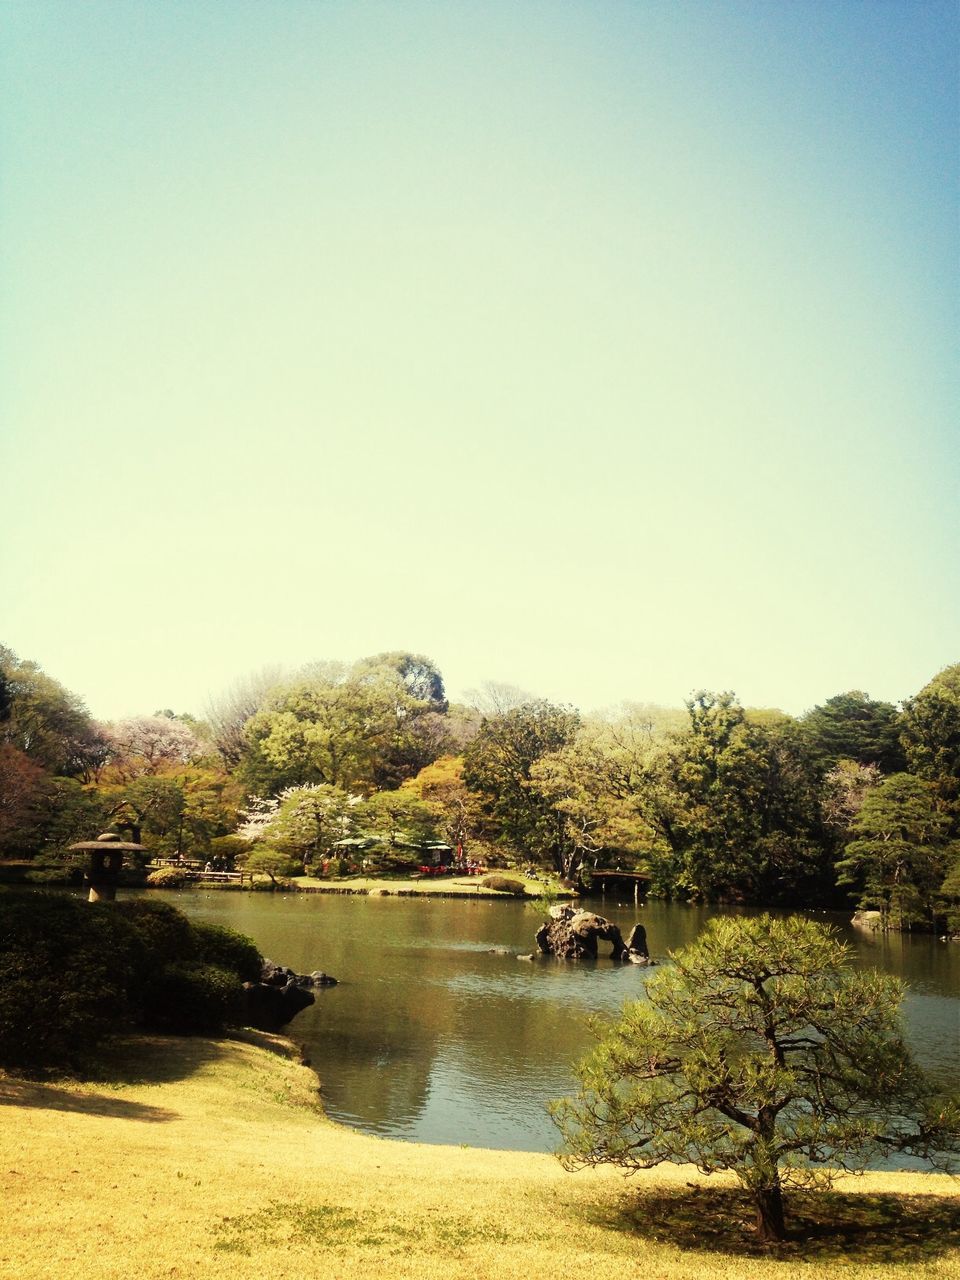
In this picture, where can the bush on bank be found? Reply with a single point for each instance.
(73, 972)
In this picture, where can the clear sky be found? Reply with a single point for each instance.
(605, 349)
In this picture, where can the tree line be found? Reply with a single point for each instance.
(855, 802)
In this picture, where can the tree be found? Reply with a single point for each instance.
(228, 713)
(854, 726)
(421, 678)
(498, 766)
(494, 699)
(594, 782)
(304, 821)
(759, 1051)
(845, 788)
(737, 804)
(24, 788)
(270, 862)
(44, 720)
(358, 728)
(901, 852)
(441, 785)
(931, 732)
(145, 746)
(397, 817)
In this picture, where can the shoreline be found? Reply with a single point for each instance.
(191, 1157)
(371, 887)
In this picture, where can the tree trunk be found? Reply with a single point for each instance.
(770, 1224)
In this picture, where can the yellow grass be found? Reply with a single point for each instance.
(212, 1159)
(427, 887)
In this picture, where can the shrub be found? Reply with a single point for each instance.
(227, 949)
(66, 967)
(504, 884)
(167, 878)
(57, 867)
(192, 998)
(71, 972)
(166, 933)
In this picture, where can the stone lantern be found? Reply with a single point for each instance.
(105, 860)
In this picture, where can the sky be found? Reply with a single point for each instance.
(606, 349)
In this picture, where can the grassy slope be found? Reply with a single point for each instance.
(212, 1158)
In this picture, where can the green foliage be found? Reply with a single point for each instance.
(66, 968)
(359, 728)
(854, 726)
(227, 949)
(499, 765)
(901, 853)
(192, 998)
(165, 933)
(308, 820)
(759, 1051)
(457, 809)
(931, 732)
(420, 677)
(72, 972)
(737, 805)
(504, 884)
(948, 899)
(45, 721)
(397, 817)
(264, 861)
(229, 848)
(167, 878)
(595, 783)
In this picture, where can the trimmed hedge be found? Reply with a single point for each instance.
(192, 998)
(167, 878)
(504, 884)
(67, 972)
(228, 949)
(72, 972)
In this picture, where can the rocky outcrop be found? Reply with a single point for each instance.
(572, 934)
(872, 921)
(278, 975)
(280, 995)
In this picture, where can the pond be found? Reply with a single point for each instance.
(438, 1033)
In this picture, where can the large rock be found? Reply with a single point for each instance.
(870, 920)
(278, 975)
(572, 934)
(280, 995)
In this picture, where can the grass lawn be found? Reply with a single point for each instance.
(201, 1159)
(427, 886)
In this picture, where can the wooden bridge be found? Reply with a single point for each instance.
(634, 882)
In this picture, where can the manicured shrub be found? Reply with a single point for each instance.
(66, 967)
(191, 998)
(504, 884)
(228, 949)
(71, 972)
(167, 878)
(166, 933)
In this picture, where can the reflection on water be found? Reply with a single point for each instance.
(438, 1033)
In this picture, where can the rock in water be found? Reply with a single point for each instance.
(280, 995)
(572, 934)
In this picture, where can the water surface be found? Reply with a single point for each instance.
(438, 1033)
